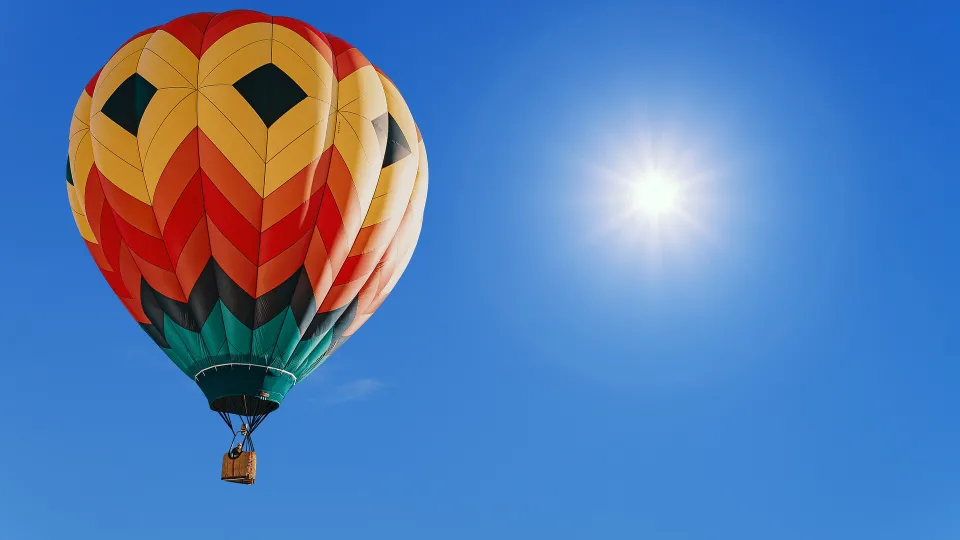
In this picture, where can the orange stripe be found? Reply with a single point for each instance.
(280, 268)
(94, 202)
(330, 226)
(347, 58)
(135, 310)
(143, 33)
(341, 186)
(200, 20)
(149, 248)
(350, 61)
(373, 236)
(184, 218)
(163, 281)
(357, 323)
(296, 191)
(181, 168)
(129, 274)
(98, 257)
(193, 258)
(229, 181)
(228, 21)
(310, 34)
(110, 240)
(130, 209)
(358, 267)
(290, 229)
(235, 264)
(368, 293)
(337, 297)
(350, 280)
(391, 257)
(391, 263)
(318, 266)
(189, 30)
(115, 280)
(93, 83)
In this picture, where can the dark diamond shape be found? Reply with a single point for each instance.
(129, 100)
(270, 92)
(69, 174)
(394, 144)
(381, 125)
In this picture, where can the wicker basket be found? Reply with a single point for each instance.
(239, 470)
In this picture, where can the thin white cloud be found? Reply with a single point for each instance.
(356, 390)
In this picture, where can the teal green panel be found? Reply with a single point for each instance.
(252, 384)
(315, 362)
(307, 353)
(323, 357)
(234, 352)
(288, 340)
(238, 335)
(302, 353)
(183, 365)
(224, 349)
(265, 337)
(187, 344)
(213, 333)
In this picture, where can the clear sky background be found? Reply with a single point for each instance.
(784, 370)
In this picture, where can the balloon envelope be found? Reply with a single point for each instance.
(251, 189)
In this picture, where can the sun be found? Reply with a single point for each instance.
(654, 199)
(655, 194)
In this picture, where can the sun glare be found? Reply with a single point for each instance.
(655, 194)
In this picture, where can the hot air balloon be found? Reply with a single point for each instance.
(251, 189)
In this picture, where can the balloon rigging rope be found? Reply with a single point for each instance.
(252, 422)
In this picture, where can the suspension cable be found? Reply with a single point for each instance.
(249, 423)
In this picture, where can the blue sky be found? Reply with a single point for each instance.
(788, 372)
